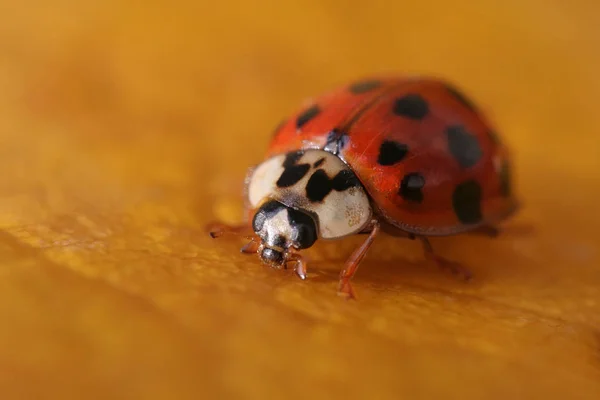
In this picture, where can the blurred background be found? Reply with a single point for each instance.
(125, 126)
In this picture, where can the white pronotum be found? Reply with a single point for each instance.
(311, 183)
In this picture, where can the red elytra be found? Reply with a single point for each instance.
(429, 161)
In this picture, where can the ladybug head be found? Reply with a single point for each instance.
(280, 229)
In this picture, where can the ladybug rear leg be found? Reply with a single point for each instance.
(443, 263)
(344, 287)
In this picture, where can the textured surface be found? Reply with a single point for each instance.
(123, 130)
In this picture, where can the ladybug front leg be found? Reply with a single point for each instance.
(300, 265)
(443, 263)
(217, 229)
(344, 287)
(251, 247)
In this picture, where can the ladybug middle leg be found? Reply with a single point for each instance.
(344, 287)
(443, 263)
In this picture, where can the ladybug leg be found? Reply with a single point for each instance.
(300, 265)
(251, 247)
(443, 263)
(344, 287)
(217, 229)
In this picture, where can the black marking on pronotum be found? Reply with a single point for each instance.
(463, 146)
(307, 115)
(336, 141)
(364, 86)
(391, 152)
(411, 106)
(292, 172)
(411, 187)
(345, 179)
(319, 162)
(466, 202)
(320, 185)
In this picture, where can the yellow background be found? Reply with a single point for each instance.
(126, 126)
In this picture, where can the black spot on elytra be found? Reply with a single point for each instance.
(304, 229)
(336, 141)
(411, 187)
(463, 146)
(307, 115)
(320, 185)
(364, 86)
(319, 162)
(466, 202)
(391, 152)
(292, 172)
(460, 96)
(411, 106)
(505, 179)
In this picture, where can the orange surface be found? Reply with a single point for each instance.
(125, 128)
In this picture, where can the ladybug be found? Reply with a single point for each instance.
(411, 157)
